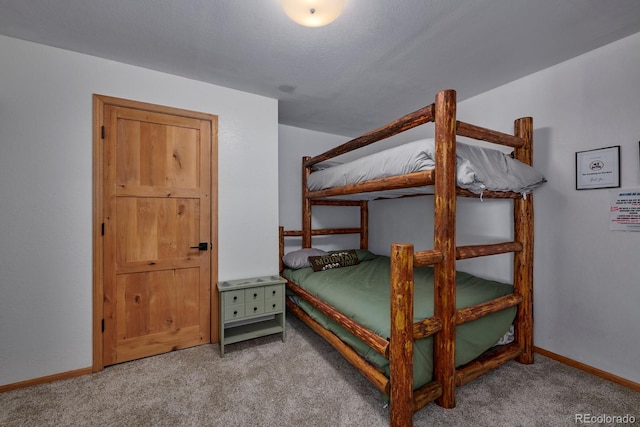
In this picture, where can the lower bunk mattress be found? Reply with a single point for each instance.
(362, 292)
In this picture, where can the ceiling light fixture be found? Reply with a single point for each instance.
(312, 13)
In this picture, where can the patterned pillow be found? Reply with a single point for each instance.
(335, 259)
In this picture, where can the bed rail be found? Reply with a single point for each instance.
(404, 123)
(373, 374)
(477, 311)
(473, 251)
(432, 256)
(416, 179)
(373, 340)
(486, 363)
(488, 135)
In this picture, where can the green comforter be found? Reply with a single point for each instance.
(362, 292)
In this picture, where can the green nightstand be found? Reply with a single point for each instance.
(251, 308)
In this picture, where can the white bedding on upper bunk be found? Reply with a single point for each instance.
(478, 169)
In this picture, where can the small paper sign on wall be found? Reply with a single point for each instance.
(598, 168)
(624, 213)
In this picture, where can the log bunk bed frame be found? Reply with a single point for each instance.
(404, 401)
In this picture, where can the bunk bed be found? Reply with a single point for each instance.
(390, 353)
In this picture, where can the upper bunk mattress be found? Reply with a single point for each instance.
(478, 169)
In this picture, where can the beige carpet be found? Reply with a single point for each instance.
(302, 382)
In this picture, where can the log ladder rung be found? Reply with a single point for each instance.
(473, 251)
(477, 311)
(486, 363)
(427, 327)
(433, 256)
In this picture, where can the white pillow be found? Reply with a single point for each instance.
(300, 258)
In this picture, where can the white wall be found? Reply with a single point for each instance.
(587, 286)
(294, 144)
(46, 193)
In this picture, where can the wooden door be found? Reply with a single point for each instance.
(157, 242)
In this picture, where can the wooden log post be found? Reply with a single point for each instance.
(306, 206)
(401, 340)
(523, 260)
(364, 224)
(445, 242)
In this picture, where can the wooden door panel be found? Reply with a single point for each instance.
(156, 302)
(158, 312)
(157, 155)
(156, 229)
(157, 187)
(149, 345)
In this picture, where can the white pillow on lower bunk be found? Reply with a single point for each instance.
(300, 258)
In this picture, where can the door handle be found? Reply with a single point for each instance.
(202, 246)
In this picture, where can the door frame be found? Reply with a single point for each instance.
(99, 103)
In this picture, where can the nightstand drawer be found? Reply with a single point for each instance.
(273, 305)
(254, 294)
(233, 297)
(254, 308)
(273, 291)
(232, 312)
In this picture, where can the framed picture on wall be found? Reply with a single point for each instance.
(599, 168)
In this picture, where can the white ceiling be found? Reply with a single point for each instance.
(380, 59)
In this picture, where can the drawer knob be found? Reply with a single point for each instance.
(235, 298)
(235, 312)
(255, 308)
(255, 295)
(274, 292)
(274, 306)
